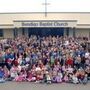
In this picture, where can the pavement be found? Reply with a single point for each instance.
(35, 86)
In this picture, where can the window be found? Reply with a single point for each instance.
(1, 32)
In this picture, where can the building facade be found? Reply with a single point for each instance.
(71, 24)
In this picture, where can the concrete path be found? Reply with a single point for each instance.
(34, 86)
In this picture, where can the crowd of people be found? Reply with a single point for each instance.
(45, 59)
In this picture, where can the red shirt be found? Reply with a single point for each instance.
(69, 62)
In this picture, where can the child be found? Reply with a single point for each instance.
(66, 78)
(6, 73)
(70, 69)
(21, 77)
(75, 79)
(40, 77)
(13, 72)
(32, 74)
(38, 72)
(48, 78)
(81, 76)
(59, 77)
(54, 75)
(31, 77)
(1, 75)
(85, 80)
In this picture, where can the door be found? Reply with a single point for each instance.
(46, 31)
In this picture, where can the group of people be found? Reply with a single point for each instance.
(45, 59)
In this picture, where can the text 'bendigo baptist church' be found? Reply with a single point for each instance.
(44, 24)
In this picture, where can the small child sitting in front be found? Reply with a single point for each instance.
(21, 77)
(66, 78)
(14, 72)
(48, 78)
(2, 80)
(59, 77)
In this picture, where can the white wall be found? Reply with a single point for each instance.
(82, 18)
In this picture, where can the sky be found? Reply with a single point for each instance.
(37, 6)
